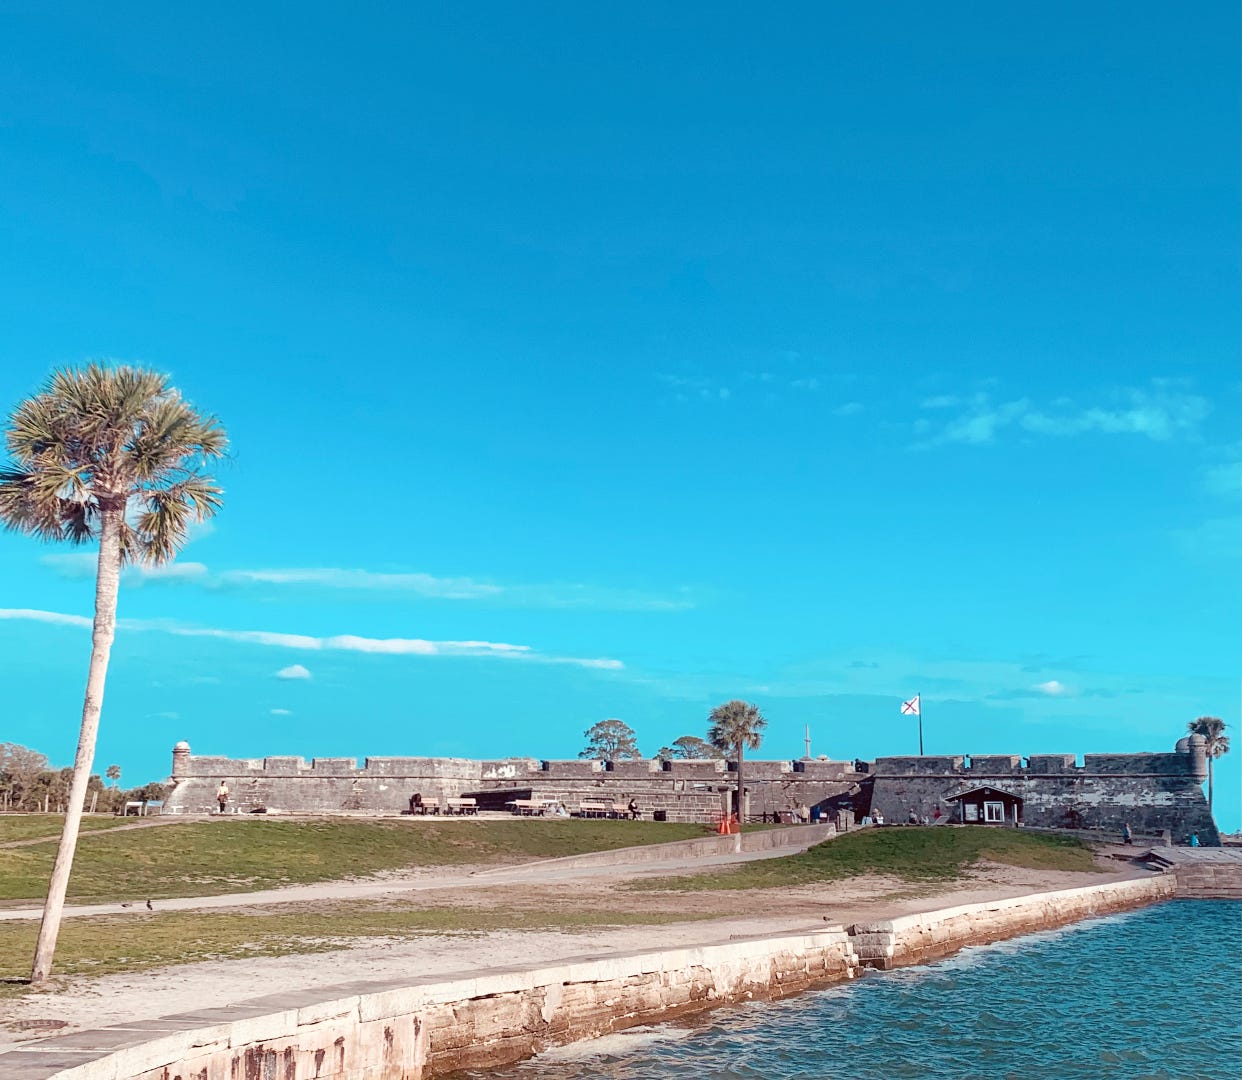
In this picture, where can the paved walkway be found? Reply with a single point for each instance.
(1192, 856)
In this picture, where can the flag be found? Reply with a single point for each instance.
(911, 707)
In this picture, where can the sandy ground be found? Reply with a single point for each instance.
(85, 1003)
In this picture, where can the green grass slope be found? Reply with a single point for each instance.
(937, 853)
(30, 826)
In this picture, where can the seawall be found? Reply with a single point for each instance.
(424, 1028)
(919, 939)
(1201, 873)
(421, 1029)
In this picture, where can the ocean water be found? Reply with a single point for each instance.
(1150, 993)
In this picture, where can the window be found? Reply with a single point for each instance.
(971, 812)
(994, 811)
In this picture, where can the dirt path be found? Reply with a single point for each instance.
(145, 823)
(477, 880)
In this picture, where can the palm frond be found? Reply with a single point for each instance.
(736, 723)
(110, 436)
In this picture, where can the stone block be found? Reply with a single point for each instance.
(334, 1009)
(265, 1028)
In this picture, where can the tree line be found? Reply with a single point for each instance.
(732, 729)
(28, 782)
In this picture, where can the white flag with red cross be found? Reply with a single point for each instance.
(911, 707)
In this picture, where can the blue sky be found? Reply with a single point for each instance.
(613, 360)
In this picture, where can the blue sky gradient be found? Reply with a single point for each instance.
(611, 360)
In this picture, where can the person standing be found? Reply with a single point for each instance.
(222, 796)
(1127, 837)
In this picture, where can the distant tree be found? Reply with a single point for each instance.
(113, 773)
(20, 772)
(148, 793)
(1216, 743)
(112, 455)
(610, 740)
(737, 726)
(691, 747)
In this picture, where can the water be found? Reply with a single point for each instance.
(1151, 993)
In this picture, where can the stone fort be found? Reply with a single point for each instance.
(1152, 792)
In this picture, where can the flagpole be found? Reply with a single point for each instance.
(919, 698)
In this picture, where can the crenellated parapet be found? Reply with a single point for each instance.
(1151, 792)
(685, 790)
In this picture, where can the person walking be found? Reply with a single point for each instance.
(222, 796)
(1127, 837)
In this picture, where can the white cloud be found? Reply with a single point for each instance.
(1217, 539)
(53, 617)
(850, 408)
(1052, 688)
(280, 712)
(81, 566)
(337, 578)
(337, 643)
(1160, 412)
(1224, 479)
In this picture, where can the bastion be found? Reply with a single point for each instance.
(1149, 792)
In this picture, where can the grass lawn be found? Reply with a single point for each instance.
(29, 826)
(113, 943)
(938, 853)
(239, 855)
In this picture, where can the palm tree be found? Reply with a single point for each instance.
(737, 726)
(114, 455)
(113, 773)
(1216, 743)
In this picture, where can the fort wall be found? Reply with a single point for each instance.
(1150, 792)
(682, 790)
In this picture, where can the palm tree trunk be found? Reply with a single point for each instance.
(1210, 784)
(107, 585)
(741, 788)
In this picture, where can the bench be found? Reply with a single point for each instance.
(461, 806)
(430, 806)
(594, 808)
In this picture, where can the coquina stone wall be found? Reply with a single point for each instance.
(1151, 792)
(683, 790)
(919, 939)
(424, 1028)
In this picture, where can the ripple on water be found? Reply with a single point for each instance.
(1141, 996)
